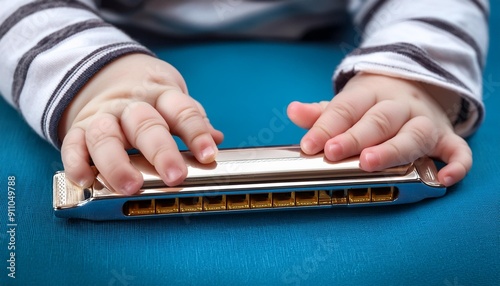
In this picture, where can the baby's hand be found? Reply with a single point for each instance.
(136, 101)
(388, 121)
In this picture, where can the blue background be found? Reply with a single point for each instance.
(245, 88)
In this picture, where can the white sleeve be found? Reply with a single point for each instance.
(48, 51)
(442, 43)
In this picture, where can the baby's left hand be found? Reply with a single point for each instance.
(388, 122)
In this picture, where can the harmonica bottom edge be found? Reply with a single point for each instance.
(265, 200)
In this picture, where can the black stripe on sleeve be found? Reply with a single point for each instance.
(45, 44)
(122, 6)
(414, 53)
(375, 7)
(463, 113)
(126, 48)
(36, 6)
(482, 8)
(342, 79)
(371, 11)
(457, 32)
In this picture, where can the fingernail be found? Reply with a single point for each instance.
(448, 181)
(372, 160)
(173, 174)
(309, 146)
(82, 183)
(208, 154)
(129, 188)
(334, 151)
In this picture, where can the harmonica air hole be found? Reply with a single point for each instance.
(166, 206)
(385, 194)
(191, 204)
(237, 202)
(214, 203)
(306, 198)
(339, 197)
(382, 194)
(261, 200)
(283, 199)
(361, 195)
(143, 207)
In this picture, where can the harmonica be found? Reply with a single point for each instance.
(249, 179)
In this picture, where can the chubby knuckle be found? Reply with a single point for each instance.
(101, 131)
(72, 139)
(147, 126)
(131, 111)
(170, 90)
(353, 139)
(69, 149)
(419, 136)
(394, 150)
(156, 80)
(346, 110)
(424, 134)
(101, 123)
(169, 97)
(135, 107)
(72, 160)
(159, 154)
(425, 123)
(102, 140)
(322, 130)
(382, 123)
(186, 115)
(165, 75)
(116, 105)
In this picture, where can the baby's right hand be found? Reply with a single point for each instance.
(139, 102)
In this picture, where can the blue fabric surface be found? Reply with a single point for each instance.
(245, 87)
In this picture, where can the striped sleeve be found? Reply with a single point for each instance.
(442, 43)
(48, 51)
